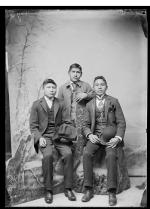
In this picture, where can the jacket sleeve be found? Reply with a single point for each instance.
(33, 122)
(60, 94)
(86, 129)
(65, 114)
(90, 92)
(120, 120)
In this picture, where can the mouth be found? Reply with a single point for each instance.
(100, 91)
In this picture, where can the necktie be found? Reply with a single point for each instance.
(100, 104)
(74, 85)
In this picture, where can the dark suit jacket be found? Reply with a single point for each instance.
(113, 114)
(39, 117)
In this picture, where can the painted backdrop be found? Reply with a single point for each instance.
(44, 44)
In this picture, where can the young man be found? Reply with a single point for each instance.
(104, 126)
(75, 91)
(47, 115)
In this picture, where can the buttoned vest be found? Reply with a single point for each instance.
(51, 124)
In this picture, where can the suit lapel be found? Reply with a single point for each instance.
(56, 107)
(68, 92)
(107, 102)
(43, 104)
(92, 108)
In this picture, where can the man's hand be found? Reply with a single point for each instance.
(42, 142)
(93, 138)
(112, 142)
(80, 96)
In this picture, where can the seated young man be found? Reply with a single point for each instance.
(104, 125)
(47, 115)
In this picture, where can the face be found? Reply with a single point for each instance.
(50, 90)
(75, 74)
(100, 87)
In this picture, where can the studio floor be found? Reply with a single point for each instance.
(129, 198)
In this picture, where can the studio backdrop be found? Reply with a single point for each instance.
(43, 44)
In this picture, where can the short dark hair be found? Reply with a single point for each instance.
(75, 65)
(49, 80)
(100, 77)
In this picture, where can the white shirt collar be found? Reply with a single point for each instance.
(100, 97)
(49, 101)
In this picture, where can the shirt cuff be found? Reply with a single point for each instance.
(87, 136)
(119, 137)
(86, 94)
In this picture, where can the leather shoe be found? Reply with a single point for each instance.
(68, 193)
(87, 196)
(48, 197)
(112, 199)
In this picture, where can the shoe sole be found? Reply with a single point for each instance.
(112, 204)
(70, 199)
(87, 200)
(49, 202)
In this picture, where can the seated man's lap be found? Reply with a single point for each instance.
(111, 152)
(48, 150)
(63, 149)
(90, 148)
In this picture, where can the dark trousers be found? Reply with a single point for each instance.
(111, 163)
(47, 164)
(7, 198)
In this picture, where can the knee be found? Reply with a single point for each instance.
(47, 157)
(111, 157)
(87, 153)
(67, 155)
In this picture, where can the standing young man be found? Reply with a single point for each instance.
(75, 91)
(104, 126)
(47, 115)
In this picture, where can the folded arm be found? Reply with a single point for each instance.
(90, 93)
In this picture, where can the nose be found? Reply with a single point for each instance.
(51, 90)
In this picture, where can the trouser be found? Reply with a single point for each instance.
(7, 198)
(47, 163)
(111, 163)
